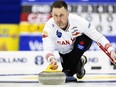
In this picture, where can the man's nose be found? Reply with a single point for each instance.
(59, 19)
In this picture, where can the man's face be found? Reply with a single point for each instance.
(60, 16)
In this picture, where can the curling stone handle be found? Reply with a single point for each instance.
(49, 68)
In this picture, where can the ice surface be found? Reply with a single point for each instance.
(109, 84)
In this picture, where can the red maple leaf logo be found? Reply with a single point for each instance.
(82, 42)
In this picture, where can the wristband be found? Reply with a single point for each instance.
(50, 58)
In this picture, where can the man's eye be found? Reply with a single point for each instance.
(61, 15)
(55, 15)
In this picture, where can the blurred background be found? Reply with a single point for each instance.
(22, 22)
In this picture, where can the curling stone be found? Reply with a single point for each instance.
(51, 77)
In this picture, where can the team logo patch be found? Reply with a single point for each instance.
(44, 34)
(75, 31)
(59, 34)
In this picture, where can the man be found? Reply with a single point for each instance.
(72, 36)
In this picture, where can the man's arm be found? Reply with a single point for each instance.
(49, 47)
(111, 54)
(102, 42)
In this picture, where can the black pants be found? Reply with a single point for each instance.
(70, 61)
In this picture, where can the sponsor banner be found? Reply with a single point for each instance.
(36, 18)
(23, 62)
(25, 27)
(30, 42)
(33, 42)
(33, 62)
(9, 37)
(97, 60)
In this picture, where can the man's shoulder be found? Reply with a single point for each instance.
(49, 25)
(50, 21)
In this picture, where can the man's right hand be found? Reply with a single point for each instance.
(53, 62)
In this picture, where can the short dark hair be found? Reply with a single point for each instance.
(59, 4)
